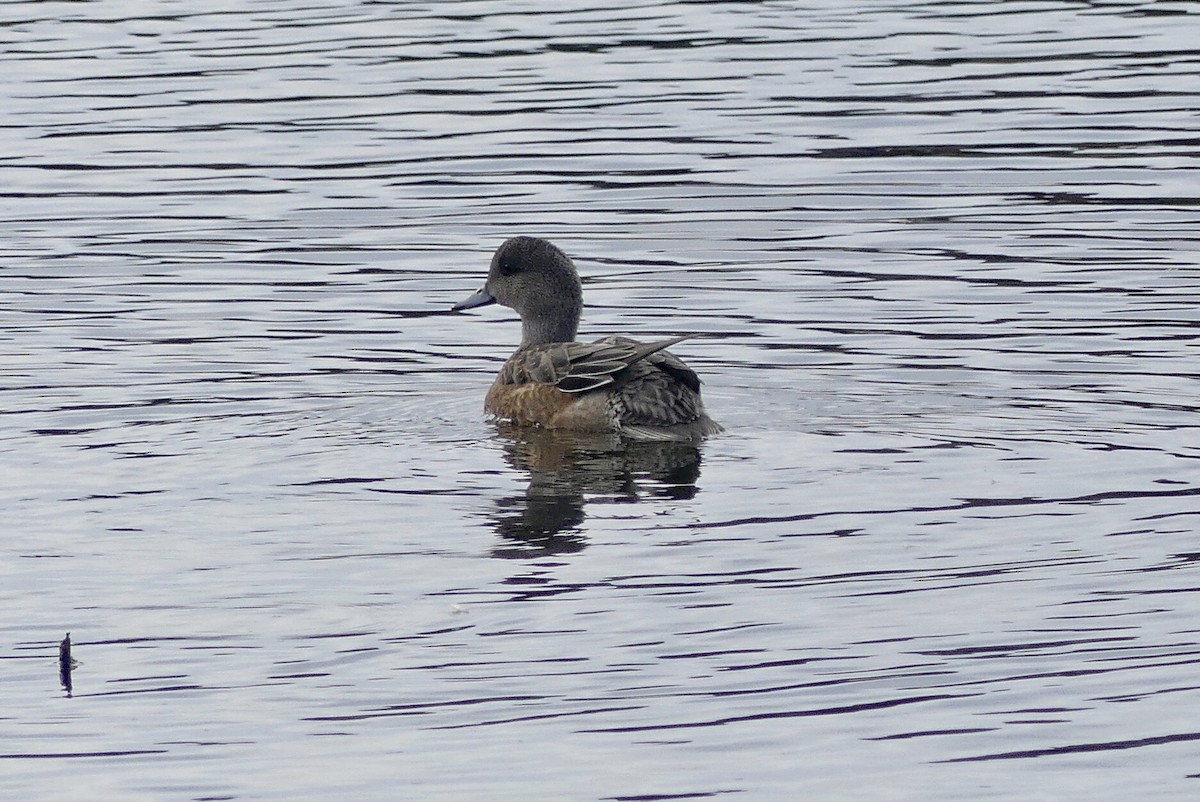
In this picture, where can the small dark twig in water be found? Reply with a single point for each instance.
(65, 663)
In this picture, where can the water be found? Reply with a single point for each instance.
(943, 259)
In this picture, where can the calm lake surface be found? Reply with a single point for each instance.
(943, 259)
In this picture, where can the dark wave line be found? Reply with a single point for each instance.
(122, 753)
(784, 714)
(540, 717)
(966, 504)
(1074, 749)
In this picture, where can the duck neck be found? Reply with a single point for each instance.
(543, 330)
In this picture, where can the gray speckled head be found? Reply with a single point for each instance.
(539, 282)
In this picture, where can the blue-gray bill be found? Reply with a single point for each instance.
(480, 298)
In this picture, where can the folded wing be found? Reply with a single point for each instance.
(583, 367)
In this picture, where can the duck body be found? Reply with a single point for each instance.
(615, 384)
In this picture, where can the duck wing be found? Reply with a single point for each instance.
(582, 367)
(656, 396)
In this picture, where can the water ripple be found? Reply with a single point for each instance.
(942, 256)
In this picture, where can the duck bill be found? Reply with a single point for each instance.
(481, 298)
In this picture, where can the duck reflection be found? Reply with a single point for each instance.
(567, 471)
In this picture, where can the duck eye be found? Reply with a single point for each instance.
(509, 267)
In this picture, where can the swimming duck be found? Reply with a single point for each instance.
(615, 384)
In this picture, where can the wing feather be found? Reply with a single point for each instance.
(583, 367)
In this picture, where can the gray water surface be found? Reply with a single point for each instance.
(943, 261)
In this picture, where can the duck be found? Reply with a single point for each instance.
(616, 384)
